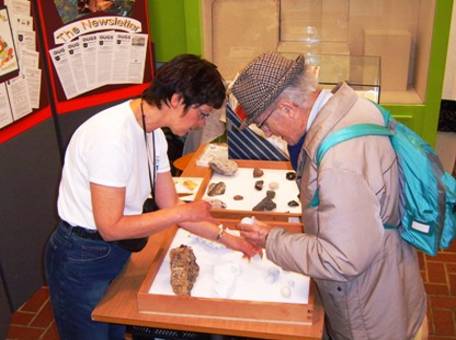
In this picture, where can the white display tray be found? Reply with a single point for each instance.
(225, 274)
(243, 183)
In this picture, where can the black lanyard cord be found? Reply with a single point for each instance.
(147, 151)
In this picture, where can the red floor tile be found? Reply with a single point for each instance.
(436, 289)
(51, 333)
(436, 272)
(23, 332)
(22, 318)
(44, 317)
(443, 322)
(36, 301)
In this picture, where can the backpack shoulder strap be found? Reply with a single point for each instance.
(347, 133)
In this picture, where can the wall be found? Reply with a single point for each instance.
(175, 27)
(5, 312)
(30, 169)
(449, 88)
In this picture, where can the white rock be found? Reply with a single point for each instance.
(285, 291)
(248, 220)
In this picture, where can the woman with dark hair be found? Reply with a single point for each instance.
(112, 163)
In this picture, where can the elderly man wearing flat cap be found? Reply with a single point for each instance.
(368, 278)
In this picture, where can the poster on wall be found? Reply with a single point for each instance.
(96, 46)
(9, 65)
(20, 73)
(23, 98)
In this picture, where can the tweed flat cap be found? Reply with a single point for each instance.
(262, 81)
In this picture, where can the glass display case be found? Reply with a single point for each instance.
(409, 36)
(397, 31)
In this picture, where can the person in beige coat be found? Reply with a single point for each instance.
(368, 278)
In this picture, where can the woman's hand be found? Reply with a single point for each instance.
(240, 244)
(197, 211)
(255, 233)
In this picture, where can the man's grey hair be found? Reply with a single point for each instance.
(299, 91)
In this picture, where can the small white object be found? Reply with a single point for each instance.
(273, 185)
(272, 275)
(285, 291)
(211, 152)
(424, 228)
(248, 220)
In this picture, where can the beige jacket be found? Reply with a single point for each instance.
(367, 277)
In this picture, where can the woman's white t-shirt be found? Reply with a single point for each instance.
(108, 149)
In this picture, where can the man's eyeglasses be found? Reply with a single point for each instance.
(261, 124)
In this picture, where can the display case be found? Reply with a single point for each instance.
(363, 73)
(410, 37)
(398, 31)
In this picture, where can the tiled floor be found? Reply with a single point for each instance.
(34, 319)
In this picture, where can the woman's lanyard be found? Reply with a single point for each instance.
(152, 190)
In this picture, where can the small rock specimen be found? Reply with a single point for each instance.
(184, 270)
(291, 175)
(217, 204)
(266, 204)
(271, 194)
(285, 291)
(190, 185)
(259, 185)
(257, 172)
(224, 166)
(273, 185)
(215, 189)
(293, 203)
(238, 197)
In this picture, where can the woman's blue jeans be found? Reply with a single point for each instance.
(79, 271)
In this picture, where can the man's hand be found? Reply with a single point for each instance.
(255, 233)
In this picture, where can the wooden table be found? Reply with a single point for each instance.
(119, 305)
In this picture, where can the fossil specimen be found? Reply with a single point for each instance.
(271, 194)
(257, 172)
(238, 197)
(266, 204)
(215, 189)
(259, 185)
(224, 166)
(217, 204)
(291, 175)
(293, 203)
(184, 270)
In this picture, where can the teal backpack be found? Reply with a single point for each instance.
(428, 195)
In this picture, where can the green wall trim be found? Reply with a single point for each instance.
(193, 26)
(440, 36)
(167, 23)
